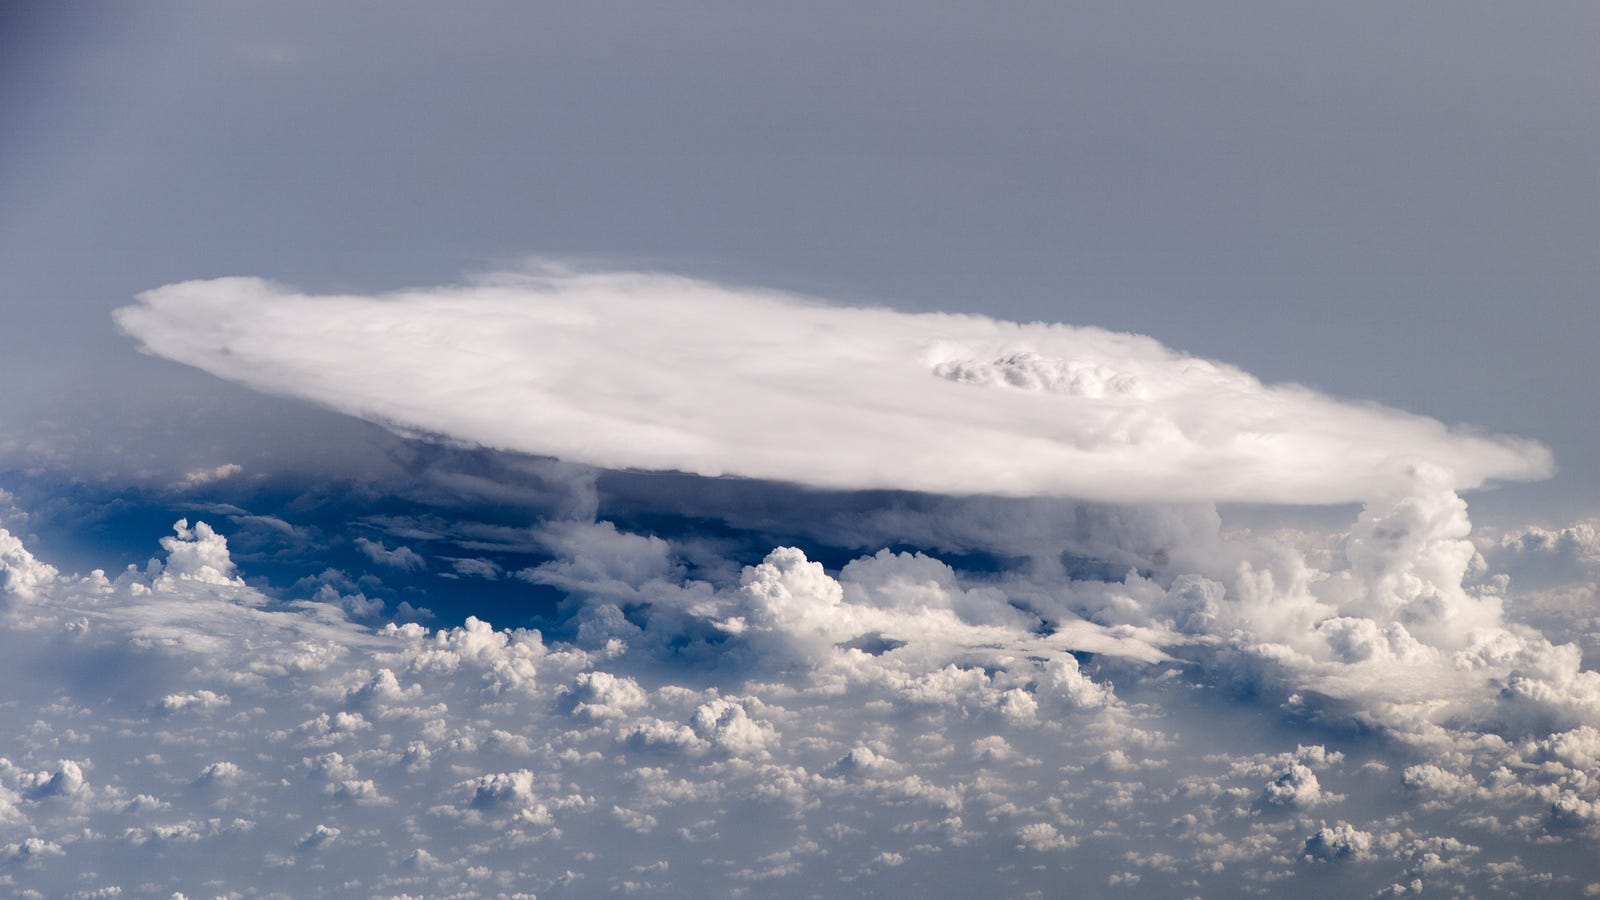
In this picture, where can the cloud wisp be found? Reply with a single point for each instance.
(632, 370)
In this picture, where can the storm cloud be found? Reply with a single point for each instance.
(634, 370)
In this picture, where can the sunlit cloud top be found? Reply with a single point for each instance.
(633, 370)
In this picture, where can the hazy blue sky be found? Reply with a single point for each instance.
(1394, 202)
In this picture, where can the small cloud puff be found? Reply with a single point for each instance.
(201, 477)
(196, 554)
(1338, 843)
(1296, 788)
(403, 558)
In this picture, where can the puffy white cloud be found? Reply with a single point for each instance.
(1553, 574)
(218, 772)
(864, 761)
(64, 780)
(1436, 782)
(793, 598)
(894, 721)
(196, 554)
(507, 660)
(1042, 836)
(648, 371)
(318, 837)
(201, 701)
(20, 573)
(1338, 842)
(30, 851)
(1296, 787)
(1538, 553)
(602, 695)
(728, 725)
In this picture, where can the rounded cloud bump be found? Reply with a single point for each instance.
(648, 371)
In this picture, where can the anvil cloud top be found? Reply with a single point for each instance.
(647, 371)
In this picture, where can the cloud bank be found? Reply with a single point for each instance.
(630, 370)
(894, 727)
(1017, 686)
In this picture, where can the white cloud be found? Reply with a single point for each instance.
(21, 574)
(1296, 787)
(1042, 836)
(199, 555)
(1337, 843)
(648, 371)
(64, 780)
(319, 837)
(199, 701)
(403, 558)
(602, 695)
(30, 851)
(890, 720)
(199, 477)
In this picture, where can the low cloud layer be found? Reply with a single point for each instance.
(655, 372)
(895, 726)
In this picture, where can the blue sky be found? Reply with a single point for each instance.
(615, 321)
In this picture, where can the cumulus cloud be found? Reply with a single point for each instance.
(21, 574)
(1337, 843)
(647, 371)
(197, 554)
(272, 740)
(1295, 787)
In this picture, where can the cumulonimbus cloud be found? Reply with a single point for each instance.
(633, 370)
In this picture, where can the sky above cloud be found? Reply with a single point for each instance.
(497, 451)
